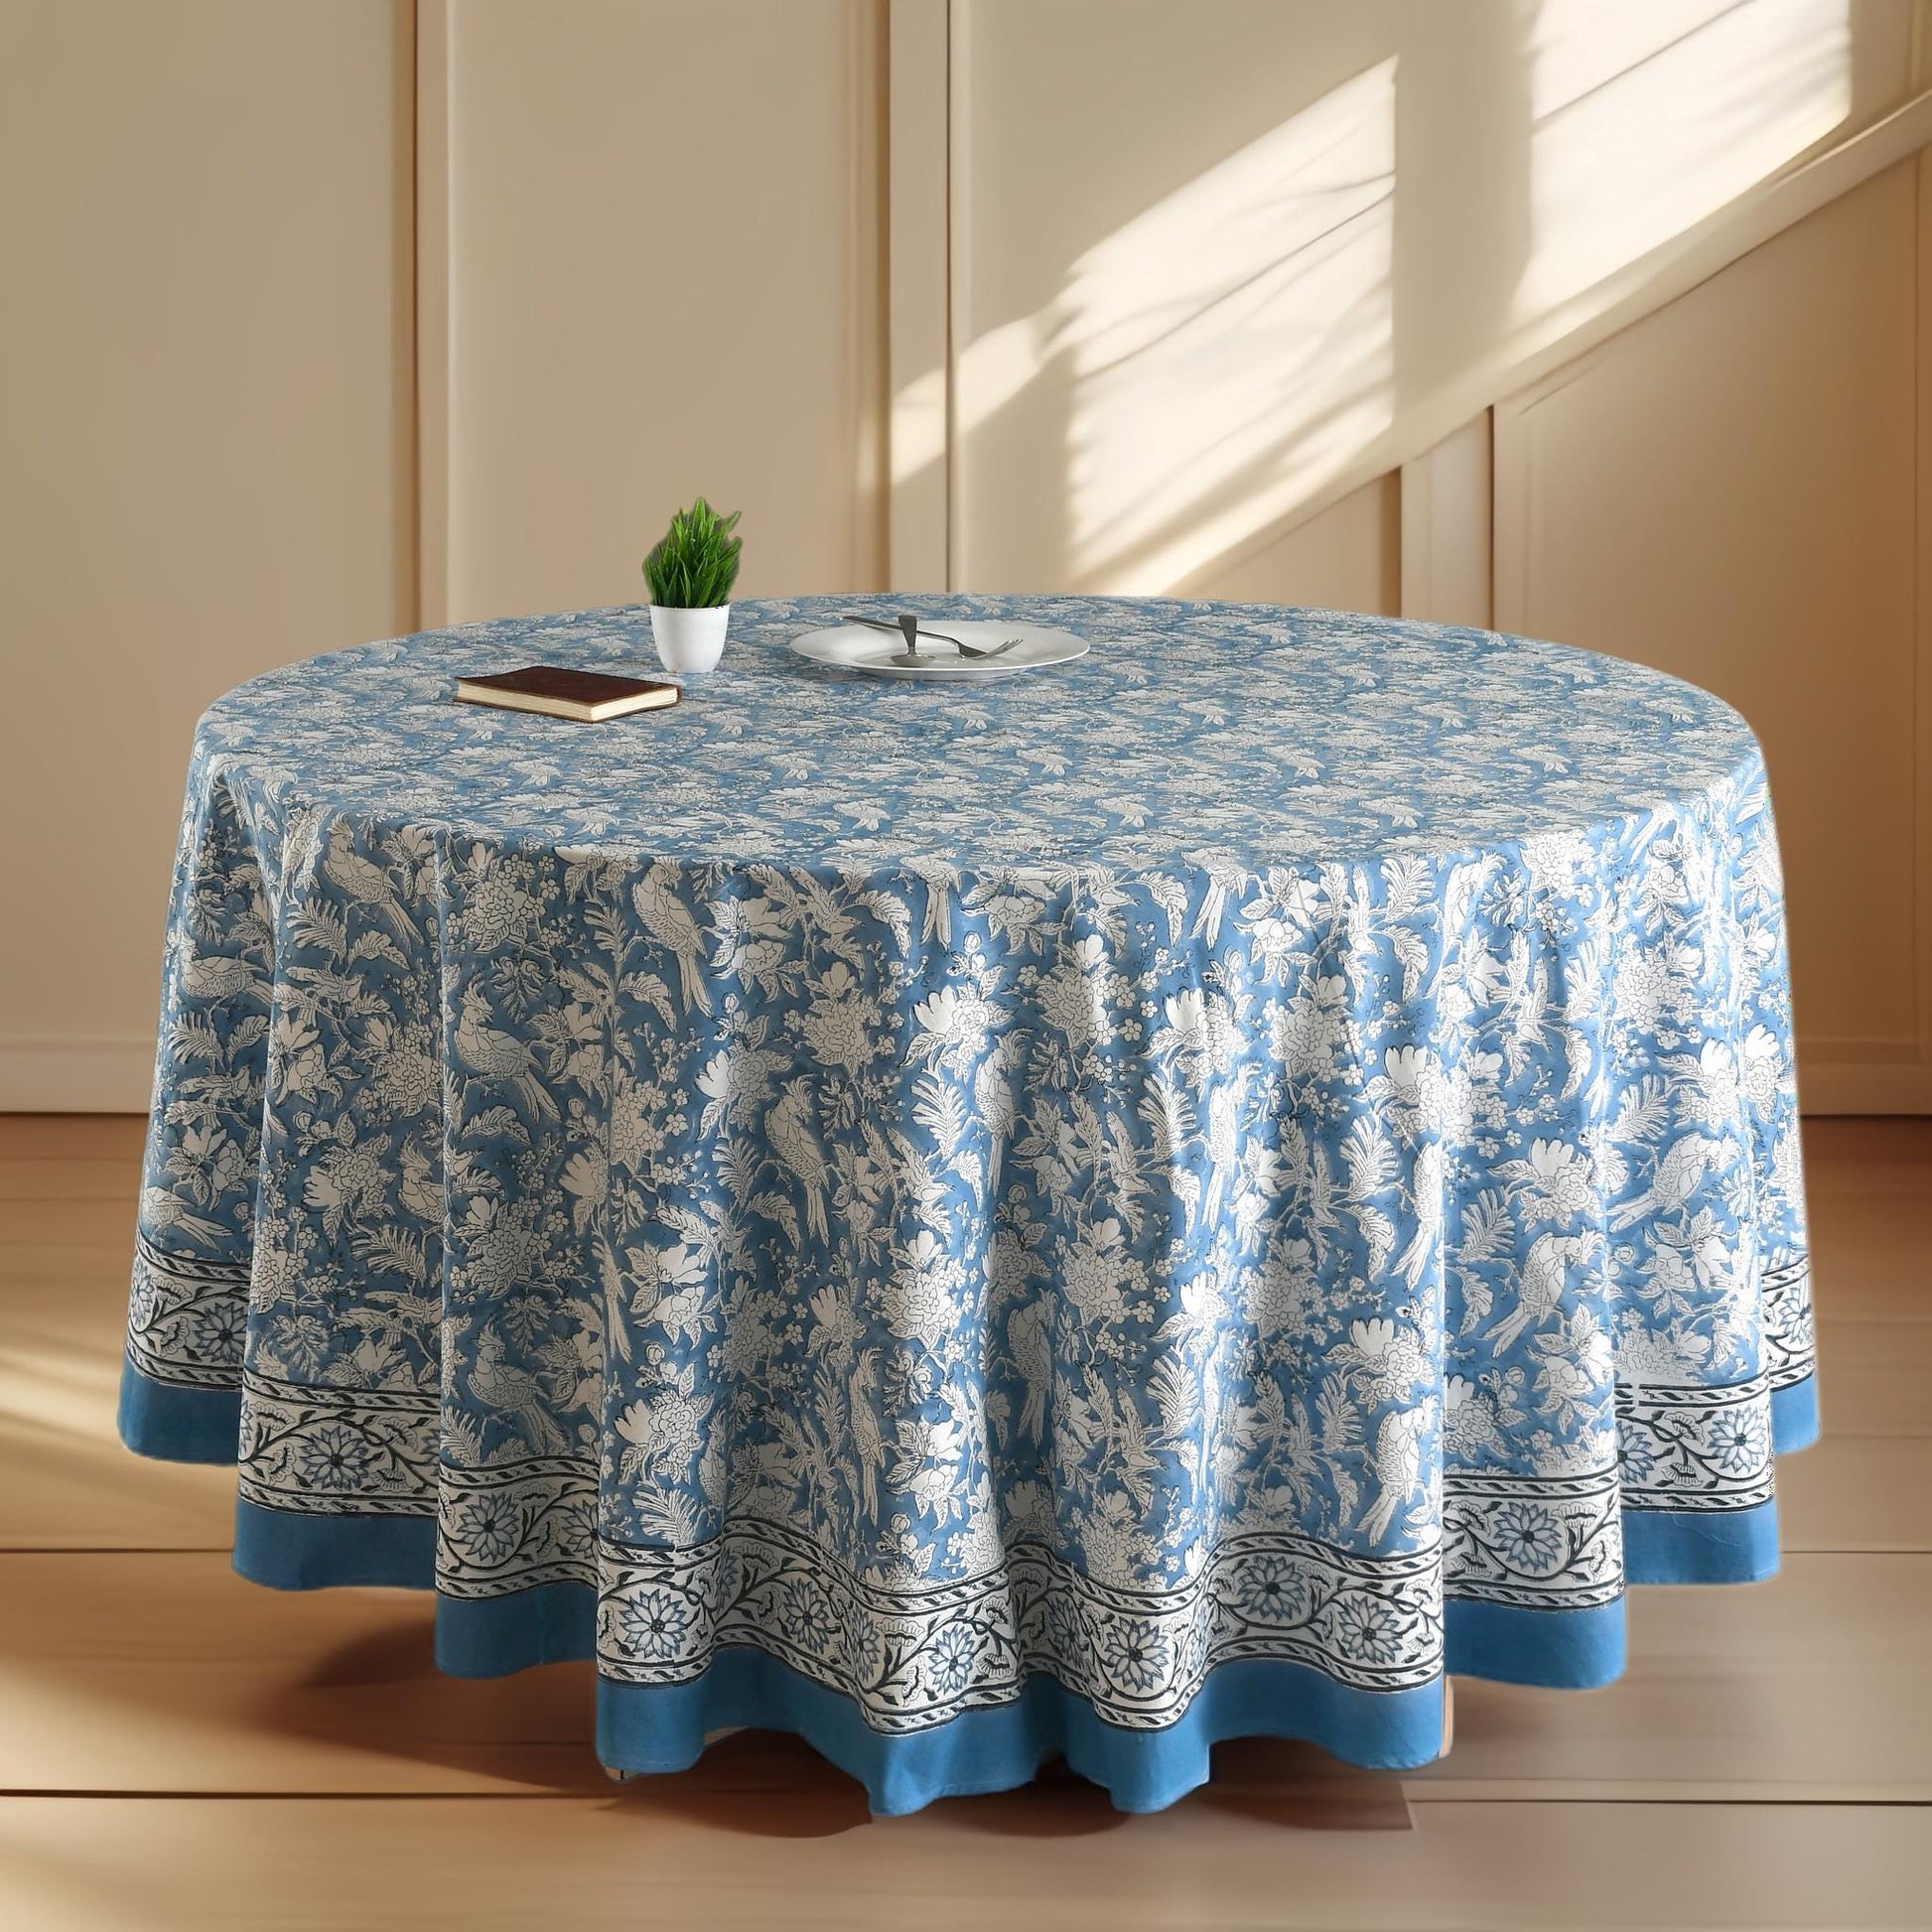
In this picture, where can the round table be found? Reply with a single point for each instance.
(1187, 1195)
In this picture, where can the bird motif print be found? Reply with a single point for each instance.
(1224, 879)
(1029, 1338)
(1197, 1320)
(162, 1212)
(1428, 1196)
(216, 976)
(489, 1052)
(1540, 1282)
(512, 1391)
(1680, 1170)
(995, 1105)
(868, 1442)
(363, 882)
(672, 927)
(611, 1279)
(1398, 1463)
(419, 1184)
(794, 1140)
(1224, 1114)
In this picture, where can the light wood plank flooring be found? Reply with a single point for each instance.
(178, 1748)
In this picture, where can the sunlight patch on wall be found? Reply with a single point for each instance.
(992, 368)
(918, 434)
(1232, 346)
(1651, 114)
(1230, 349)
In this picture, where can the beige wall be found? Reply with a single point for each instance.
(206, 448)
(1290, 246)
(319, 320)
(664, 278)
(652, 250)
(1726, 490)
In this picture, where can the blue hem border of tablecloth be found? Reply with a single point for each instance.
(286, 1549)
(175, 1423)
(662, 1727)
(1794, 1416)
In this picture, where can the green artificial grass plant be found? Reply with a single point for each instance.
(695, 562)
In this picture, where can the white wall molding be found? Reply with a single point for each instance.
(1765, 545)
(1447, 500)
(434, 26)
(959, 267)
(1526, 358)
(919, 354)
(75, 1076)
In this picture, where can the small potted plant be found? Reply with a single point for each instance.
(690, 573)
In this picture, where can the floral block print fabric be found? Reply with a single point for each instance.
(1185, 1194)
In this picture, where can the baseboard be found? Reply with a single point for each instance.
(1868, 1087)
(75, 1076)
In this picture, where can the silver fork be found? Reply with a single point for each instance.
(908, 626)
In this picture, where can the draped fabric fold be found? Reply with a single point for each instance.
(1184, 1197)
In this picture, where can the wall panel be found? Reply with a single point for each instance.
(1209, 280)
(317, 319)
(1726, 490)
(1348, 558)
(663, 280)
(205, 352)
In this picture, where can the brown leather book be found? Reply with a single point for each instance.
(560, 692)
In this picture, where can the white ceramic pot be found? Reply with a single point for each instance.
(689, 643)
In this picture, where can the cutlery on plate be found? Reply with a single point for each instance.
(908, 626)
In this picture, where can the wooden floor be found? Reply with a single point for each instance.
(181, 1748)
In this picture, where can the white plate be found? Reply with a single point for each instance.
(855, 648)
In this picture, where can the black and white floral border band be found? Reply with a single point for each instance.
(324, 1451)
(909, 1653)
(187, 1318)
(1551, 1541)
(912, 1656)
(1696, 1449)
(518, 1527)
(1790, 1350)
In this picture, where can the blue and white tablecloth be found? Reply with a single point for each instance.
(1184, 1196)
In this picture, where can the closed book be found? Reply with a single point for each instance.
(558, 691)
